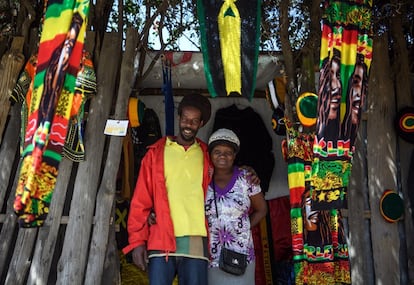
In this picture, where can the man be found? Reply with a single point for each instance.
(172, 183)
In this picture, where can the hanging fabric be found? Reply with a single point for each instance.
(230, 33)
(320, 252)
(275, 94)
(85, 89)
(168, 97)
(345, 58)
(59, 57)
(22, 93)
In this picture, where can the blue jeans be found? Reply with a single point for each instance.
(190, 271)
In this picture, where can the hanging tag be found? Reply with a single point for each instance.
(116, 127)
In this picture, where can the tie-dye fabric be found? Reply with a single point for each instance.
(59, 57)
(345, 58)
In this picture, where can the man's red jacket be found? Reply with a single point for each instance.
(151, 194)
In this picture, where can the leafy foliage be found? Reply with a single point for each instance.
(385, 11)
(169, 25)
(6, 17)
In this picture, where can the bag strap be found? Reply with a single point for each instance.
(215, 200)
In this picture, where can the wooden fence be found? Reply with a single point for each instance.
(76, 245)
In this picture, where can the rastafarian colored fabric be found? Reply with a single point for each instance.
(391, 206)
(275, 94)
(85, 89)
(306, 109)
(230, 32)
(404, 123)
(320, 252)
(345, 58)
(59, 58)
(22, 93)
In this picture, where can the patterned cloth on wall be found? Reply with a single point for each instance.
(59, 58)
(345, 58)
(22, 93)
(85, 88)
(230, 33)
(320, 252)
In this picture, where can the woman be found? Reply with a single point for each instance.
(233, 207)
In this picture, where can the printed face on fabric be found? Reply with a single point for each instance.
(223, 156)
(357, 95)
(189, 123)
(335, 90)
(311, 217)
(330, 93)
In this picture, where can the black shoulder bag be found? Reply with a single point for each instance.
(230, 261)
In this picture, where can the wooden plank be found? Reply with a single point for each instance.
(8, 150)
(359, 214)
(90, 41)
(77, 237)
(19, 265)
(64, 220)
(7, 233)
(48, 233)
(20, 262)
(106, 193)
(10, 67)
(405, 97)
(407, 223)
(382, 168)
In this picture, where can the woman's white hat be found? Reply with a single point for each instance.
(224, 136)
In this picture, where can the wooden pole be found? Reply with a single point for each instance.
(72, 263)
(106, 193)
(10, 67)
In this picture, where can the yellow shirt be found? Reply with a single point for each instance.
(184, 176)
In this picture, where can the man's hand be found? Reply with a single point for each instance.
(251, 174)
(140, 257)
(152, 219)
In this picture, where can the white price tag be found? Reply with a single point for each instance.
(116, 127)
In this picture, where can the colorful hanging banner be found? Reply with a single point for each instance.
(345, 59)
(230, 34)
(50, 108)
(320, 252)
